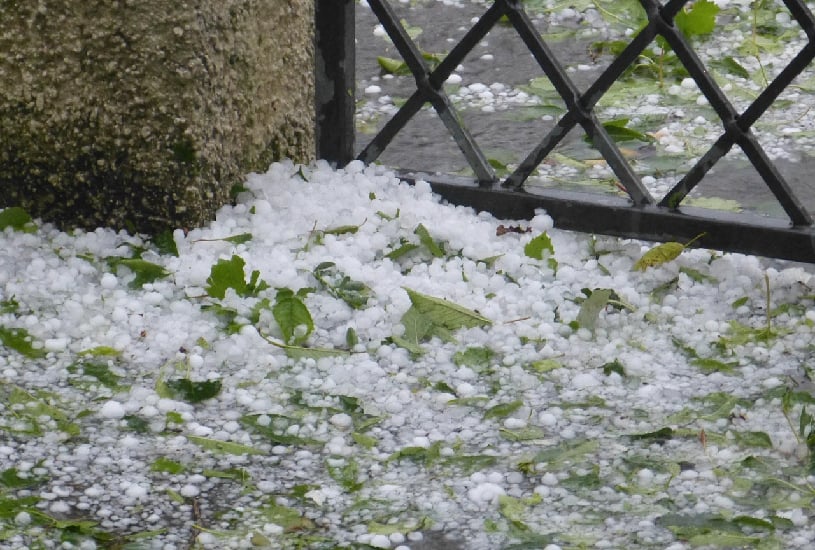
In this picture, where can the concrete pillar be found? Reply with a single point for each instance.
(143, 114)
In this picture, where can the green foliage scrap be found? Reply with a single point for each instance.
(541, 247)
(145, 272)
(292, 317)
(20, 341)
(17, 219)
(429, 316)
(662, 254)
(193, 391)
(229, 273)
(341, 286)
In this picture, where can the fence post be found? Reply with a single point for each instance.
(335, 80)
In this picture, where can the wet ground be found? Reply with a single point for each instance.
(507, 133)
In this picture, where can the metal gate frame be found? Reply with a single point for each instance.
(640, 216)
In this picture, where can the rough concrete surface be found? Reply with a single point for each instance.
(143, 114)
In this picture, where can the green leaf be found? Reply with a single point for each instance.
(342, 230)
(434, 247)
(275, 431)
(474, 357)
(163, 464)
(146, 272)
(590, 481)
(569, 452)
(101, 351)
(165, 243)
(298, 352)
(236, 474)
(592, 306)
(227, 274)
(16, 218)
(426, 455)
(137, 424)
(288, 518)
(528, 433)
(661, 435)
(724, 540)
(754, 439)
(662, 254)
(193, 392)
(619, 131)
(697, 276)
(393, 66)
(292, 317)
(730, 65)
(347, 475)
(699, 20)
(364, 440)
(659, 255)
(543, 366)
(351, 338)
(418, 327)
(403, 250)
(19, 340)
(446, 314)
(339, 285)
(9, 306)
(96, 370)
(536, 247)
(11, 479)
(227, 447)
(614, 366)
(709, 364)
(513, 508)
(502, 410)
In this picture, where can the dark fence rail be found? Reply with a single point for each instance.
(640, 215)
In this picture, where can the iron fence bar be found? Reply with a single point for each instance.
(579, 112)
(737, 130)
(590, 98)
(743, 232)
(335, 78)
(802, 16)
(591, 213)
(428, 90)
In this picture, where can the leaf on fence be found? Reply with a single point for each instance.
(699, 20)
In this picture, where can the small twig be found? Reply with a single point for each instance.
(196, 518)
(517, 320)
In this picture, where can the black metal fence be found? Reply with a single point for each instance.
(639, 215)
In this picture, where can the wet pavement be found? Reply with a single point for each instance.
(508, 135)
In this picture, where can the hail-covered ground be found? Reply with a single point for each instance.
(341, 360)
